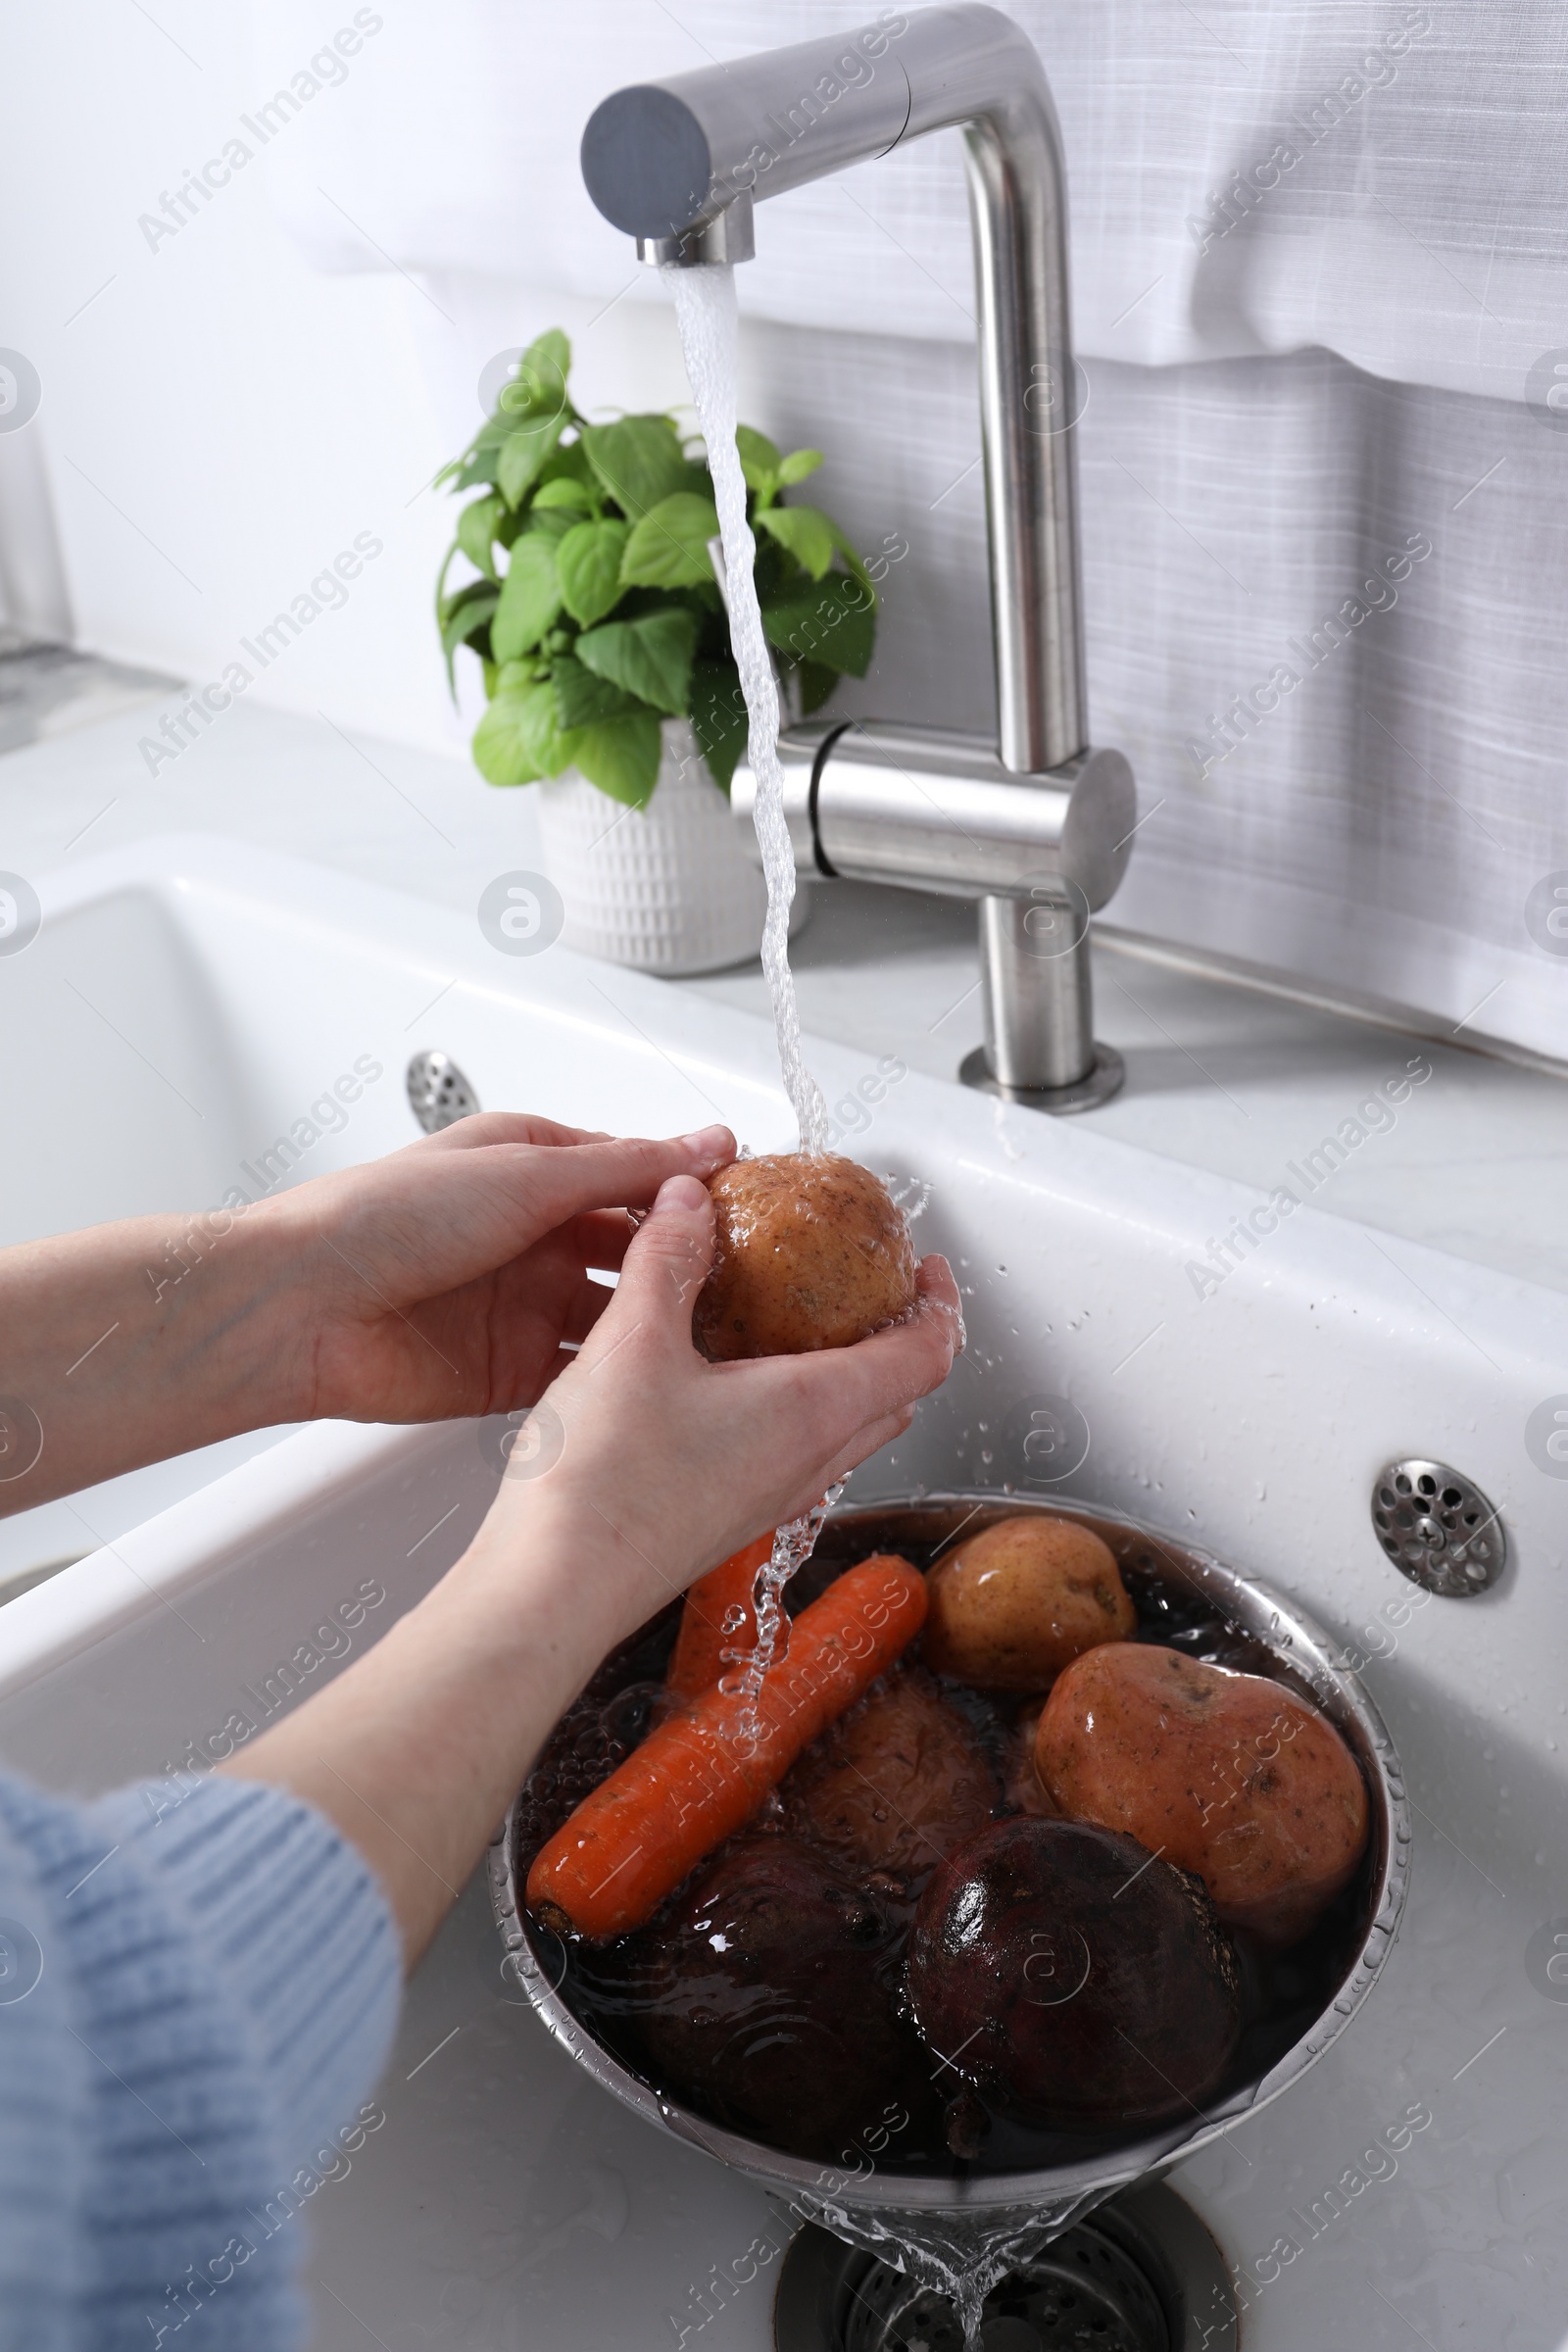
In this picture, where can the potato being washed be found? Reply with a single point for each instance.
(1230, 1776)
(812, 1252)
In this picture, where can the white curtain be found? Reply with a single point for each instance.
(1321, 302)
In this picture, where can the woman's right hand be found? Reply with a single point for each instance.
(648, 1466)
(675, 1462)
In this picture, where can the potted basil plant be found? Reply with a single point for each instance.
(595, 611)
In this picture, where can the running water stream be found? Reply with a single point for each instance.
(958, 2255)
(706, 312)
(705, 309)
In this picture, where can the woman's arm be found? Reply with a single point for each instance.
(439, 1281)
(659, 1465)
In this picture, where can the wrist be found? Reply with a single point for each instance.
(557, 1586)
(137, 1341)
(234, 1315)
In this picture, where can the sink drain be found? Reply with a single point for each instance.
(439, 1095)
(1437, 1528)
(1140, 2275)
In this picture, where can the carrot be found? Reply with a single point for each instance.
(696, 1778)
(706, 1626)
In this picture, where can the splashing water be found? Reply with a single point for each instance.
(706, 312)
(957, 2256)
(793, 1545)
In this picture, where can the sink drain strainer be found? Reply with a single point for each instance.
(1140, 2275)
(1437, 1528)
(439, 1095)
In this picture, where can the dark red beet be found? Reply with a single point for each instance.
(1074, 1981)
(770, 2006)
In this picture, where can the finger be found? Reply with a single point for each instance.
(484, 1127)
(849, 1387)
(625, 1173)
(866, 1441)
(666, 1265)
(848, 1456)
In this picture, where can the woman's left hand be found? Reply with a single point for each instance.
(446, 1278)
(443, 1279)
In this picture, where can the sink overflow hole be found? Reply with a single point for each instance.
(439, 1095)
(1437, 1528)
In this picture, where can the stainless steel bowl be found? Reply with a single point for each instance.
(929, 2223)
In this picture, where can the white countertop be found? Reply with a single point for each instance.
(1219, 1076)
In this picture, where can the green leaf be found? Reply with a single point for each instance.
(554, 522)
(441, 580)
(639, 460)
(650, 657)
(833, 623)
(588, 562)
(622, 757)
(798, 465)
(499, 750)
(719, 717)
(582, 699)
(567, 461)
(465, 616)
(476, 530)
(517, 740)
(524, 452)
(669, 547)
(562, 490)
(530, 596)
(539, 387)
(759, 458)
(479, 465)
(805, 531)
(852, 557)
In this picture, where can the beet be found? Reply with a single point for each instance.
(769, 1982)
(1075, 1981)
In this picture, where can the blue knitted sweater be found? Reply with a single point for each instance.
(198, 1987)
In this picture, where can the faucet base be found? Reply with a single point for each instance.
(1105, 1077)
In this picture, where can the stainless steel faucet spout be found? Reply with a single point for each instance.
(679, 164)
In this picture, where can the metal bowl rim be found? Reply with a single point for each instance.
(1264, 1612)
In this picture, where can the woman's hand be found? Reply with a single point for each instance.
(445, 1279)
(667, 1463)
(650, 1465)
(442, 1280)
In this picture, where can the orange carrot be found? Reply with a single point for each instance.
(698, 1660)
(696, 1778)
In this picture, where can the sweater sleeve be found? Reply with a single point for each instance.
(221, 1977)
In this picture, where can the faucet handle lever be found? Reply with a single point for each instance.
(930, 811)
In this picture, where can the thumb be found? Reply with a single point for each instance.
(666, 1265)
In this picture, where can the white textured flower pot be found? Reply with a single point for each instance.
(669, 888)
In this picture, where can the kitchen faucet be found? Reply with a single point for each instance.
(1039, 825)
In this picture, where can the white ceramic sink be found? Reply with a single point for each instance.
(184, 1006)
